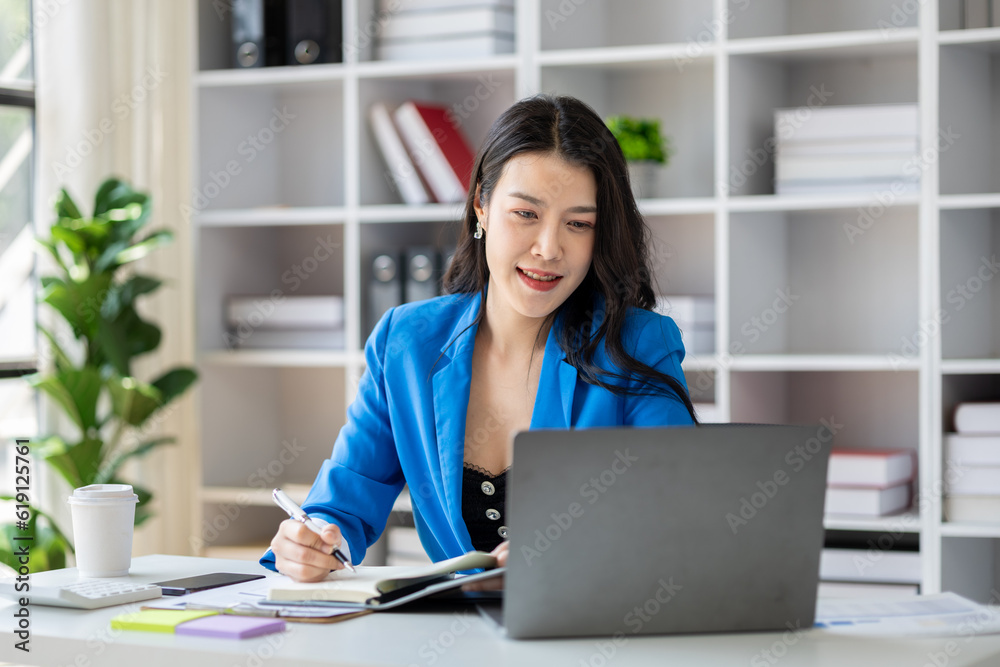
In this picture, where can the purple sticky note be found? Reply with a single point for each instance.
(231, 626)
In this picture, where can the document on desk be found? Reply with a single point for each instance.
(942, 615)
(243, 599)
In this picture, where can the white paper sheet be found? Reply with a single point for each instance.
(246, 593)
(945, 614)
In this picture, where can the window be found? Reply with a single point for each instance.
(18, 339)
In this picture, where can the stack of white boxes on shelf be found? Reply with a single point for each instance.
(285, 322)
(869, 482)
(847, 149)
(877, 566)
(431, 29)
(972, 464)
(695, 317)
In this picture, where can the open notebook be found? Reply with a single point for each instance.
(384, 587)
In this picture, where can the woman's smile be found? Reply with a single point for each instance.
(539, 280)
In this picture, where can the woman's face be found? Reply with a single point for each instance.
(539, 233)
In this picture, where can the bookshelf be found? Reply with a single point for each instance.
(810, 323)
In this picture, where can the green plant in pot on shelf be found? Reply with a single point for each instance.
(646, 150)
(91, 383)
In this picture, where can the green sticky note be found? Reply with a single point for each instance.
(157, 620)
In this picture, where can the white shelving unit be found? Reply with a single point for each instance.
(869, 335)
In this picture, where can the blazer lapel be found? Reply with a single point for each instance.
(451, 382)
(556, 386)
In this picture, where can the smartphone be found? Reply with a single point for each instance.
(203, 582)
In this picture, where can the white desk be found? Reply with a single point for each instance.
(63, 637)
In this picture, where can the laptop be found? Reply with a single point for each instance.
(665, 530)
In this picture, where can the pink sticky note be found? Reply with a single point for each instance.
(231, 626)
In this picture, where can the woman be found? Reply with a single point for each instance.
(546, 325)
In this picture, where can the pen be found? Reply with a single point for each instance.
(297, 513)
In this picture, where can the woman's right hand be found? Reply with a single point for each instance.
(302, 554)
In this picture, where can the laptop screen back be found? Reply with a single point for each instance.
(665, 530)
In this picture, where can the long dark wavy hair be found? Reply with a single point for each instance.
(619, 271)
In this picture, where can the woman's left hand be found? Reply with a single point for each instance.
(496, 583)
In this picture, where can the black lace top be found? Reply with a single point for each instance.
(483, 506)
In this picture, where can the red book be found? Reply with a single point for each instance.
(438, 149)
(875, 468)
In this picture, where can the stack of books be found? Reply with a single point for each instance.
(285, 322)
(437, 29)
(972, 464)
(427, 156)
(847, 149)
(695, 317)
(869, 571)
(869, 482)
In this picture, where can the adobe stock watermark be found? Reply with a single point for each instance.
(256, 652)
(635, 620)
(779, 647)
(460, 111)
(591, 491)
(963, 293)
(660, 254)
(495, 420)
(797, 458)
(907, 522)
(958, 297)
(984, 620)
(785, 127)
(758, 325)
(368, 30)
(914, 168)
(899, 17)
(433, 649)
(294, 277)
(121, 108)
(562, 12)
(98, 642)
(420, 150)
(910, 346)
(250, 148)
(751, 330)
(223, 7)
(265, 477)
(710, 34)
(43, 12)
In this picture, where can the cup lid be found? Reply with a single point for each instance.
(103, 492)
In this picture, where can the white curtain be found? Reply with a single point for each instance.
(114, 98)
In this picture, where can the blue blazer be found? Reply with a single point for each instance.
(407, 423)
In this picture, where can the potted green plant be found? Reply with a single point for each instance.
(646, 150)
(92, 383)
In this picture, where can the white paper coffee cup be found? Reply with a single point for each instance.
(103, 523)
